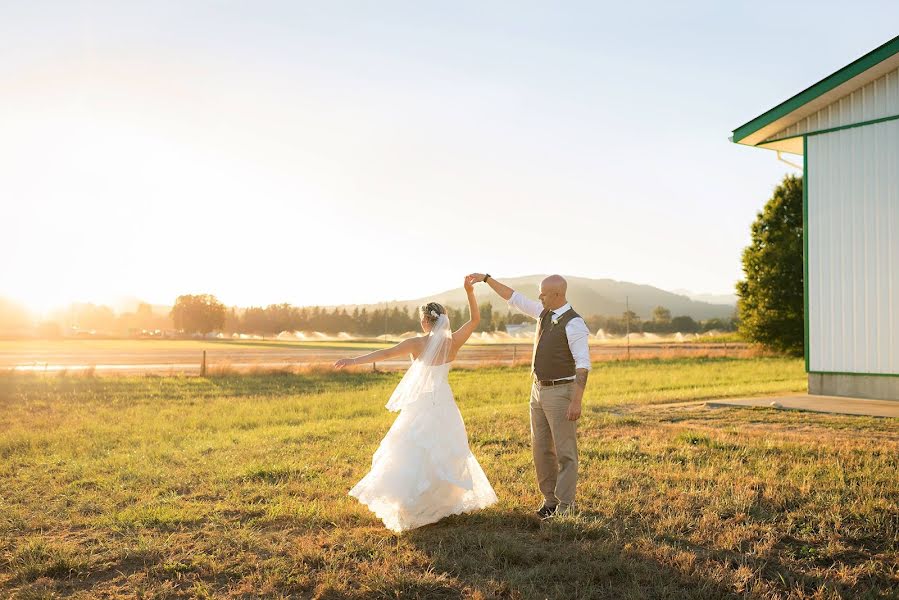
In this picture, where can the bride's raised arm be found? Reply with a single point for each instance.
(404, 348)
(461, 335)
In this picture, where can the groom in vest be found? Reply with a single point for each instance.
(559, 369)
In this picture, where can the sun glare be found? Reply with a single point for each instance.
(39, 302)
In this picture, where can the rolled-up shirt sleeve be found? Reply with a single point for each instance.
(532, 308)
(579, 342)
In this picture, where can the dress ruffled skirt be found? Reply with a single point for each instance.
(423, 469)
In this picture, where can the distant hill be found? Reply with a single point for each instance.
(730, 299)
(589, 297)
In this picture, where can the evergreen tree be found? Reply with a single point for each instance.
(771, 302)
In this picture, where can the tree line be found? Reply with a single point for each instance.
(631, 322)
(204, 313)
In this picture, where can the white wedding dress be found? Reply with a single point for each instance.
(423, 469)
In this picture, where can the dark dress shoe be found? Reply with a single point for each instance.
(545, 512)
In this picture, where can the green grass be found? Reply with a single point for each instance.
(727, 337)
(236, 486)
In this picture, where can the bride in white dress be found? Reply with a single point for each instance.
(424, 470)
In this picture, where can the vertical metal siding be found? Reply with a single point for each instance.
(853, 247)
(878, 99)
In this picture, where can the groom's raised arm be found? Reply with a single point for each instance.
(504, 291)
(515, 299)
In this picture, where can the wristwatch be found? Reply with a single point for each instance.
(486, 277)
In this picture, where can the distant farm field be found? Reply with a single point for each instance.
(236, 487)
(172, 357)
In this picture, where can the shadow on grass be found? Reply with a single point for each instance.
(488, 554)
(510, 554)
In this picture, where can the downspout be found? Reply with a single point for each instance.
(792, 164)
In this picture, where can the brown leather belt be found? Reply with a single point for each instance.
(551, 382)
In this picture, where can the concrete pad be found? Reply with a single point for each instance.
(839, 405)
(855, 385)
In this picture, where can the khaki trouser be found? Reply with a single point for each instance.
(554, 441)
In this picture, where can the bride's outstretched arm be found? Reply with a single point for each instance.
(404, 348)
(461, 335)
(504, 291)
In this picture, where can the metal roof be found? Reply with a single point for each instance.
(856, 74)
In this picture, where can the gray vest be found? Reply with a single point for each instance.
(552, 356)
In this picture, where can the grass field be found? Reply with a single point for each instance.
(235, 486)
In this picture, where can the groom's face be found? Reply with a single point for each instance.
(550, 297)
(552, 292)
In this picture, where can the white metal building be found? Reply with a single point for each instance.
(846, 127)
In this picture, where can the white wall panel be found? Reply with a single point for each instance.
(877, 100)
(853, 247)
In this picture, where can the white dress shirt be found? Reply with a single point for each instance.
(576, 329)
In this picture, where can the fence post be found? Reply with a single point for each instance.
(627, 318)
(514, 353)
(203, 365)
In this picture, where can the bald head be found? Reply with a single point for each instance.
(552, 292)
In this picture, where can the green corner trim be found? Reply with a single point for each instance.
(805, 247)
(833, 80)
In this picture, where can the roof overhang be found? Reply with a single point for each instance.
(857, 74)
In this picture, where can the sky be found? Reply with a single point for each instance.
(356, 152)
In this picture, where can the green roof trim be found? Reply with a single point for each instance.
(851, 70)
